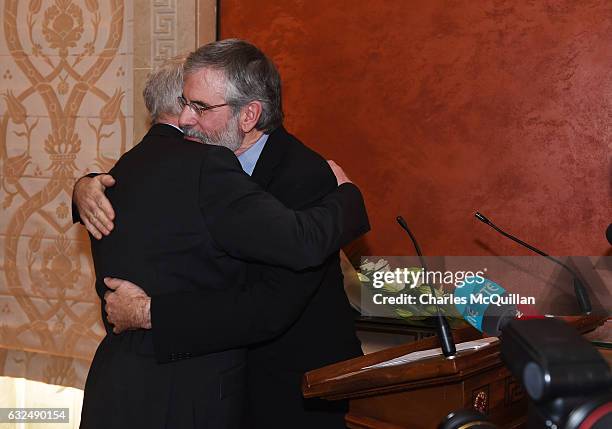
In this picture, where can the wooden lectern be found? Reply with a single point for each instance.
(420, 394)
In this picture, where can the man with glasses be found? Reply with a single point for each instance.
(232, 97)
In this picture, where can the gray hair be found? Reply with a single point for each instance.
(249, 74)
(162, 88)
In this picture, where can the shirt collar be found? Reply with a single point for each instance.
(248, 159)
(172, 125)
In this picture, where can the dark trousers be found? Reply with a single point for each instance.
(275, 401)
(127, 388)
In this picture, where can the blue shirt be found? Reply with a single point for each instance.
(248, 159)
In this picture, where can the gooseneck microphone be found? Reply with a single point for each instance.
(447, 344)
(580, 291)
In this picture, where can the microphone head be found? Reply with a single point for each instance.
(482, 218)
(402, 222)
(609, 234)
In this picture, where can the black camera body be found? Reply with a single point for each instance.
(567, 380)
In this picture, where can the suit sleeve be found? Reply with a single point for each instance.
(207, 321)
(197, 323)
(252, 225)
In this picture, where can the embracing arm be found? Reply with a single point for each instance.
(196, 323)
(251, 224)
(207, 321)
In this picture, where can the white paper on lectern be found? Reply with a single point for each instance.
(424, 354)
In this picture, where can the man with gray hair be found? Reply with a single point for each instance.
(160, 91)
(232, 97)
(160, 98)
(188, 218)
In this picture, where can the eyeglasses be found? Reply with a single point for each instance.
(196, 108)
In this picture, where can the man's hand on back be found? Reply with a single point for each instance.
(94, 208)
(128, 307)
(341, 176)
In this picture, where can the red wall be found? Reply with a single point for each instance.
(439, 108)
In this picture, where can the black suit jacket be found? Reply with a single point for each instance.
(295, 321)
(187, 215)
(324, 331)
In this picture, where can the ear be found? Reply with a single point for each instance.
(249, 115)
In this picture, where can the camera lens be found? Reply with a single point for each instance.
(595, 413)
(465, 419)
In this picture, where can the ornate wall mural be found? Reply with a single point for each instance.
(65, 84)
(71, 79)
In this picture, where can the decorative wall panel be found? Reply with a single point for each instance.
(66, 86)
(70, 88)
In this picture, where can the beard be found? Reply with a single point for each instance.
(231, 136)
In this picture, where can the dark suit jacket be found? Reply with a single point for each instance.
(187, 215)
(324, 332)
(305, 313)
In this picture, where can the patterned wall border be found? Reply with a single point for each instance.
(164, 23)
(164, 28)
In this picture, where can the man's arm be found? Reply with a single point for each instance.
(197, 323)
(250, 224)
(193, 323)
(91, 207)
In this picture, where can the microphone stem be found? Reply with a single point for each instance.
(418, 251)
(530, 247)
(582, 296)
(445, 335)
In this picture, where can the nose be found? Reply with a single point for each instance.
(187, 117)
